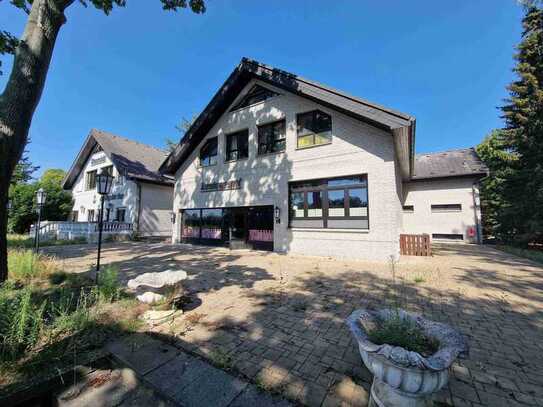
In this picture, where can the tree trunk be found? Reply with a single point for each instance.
(22, 94)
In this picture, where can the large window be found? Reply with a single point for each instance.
(237, 145)
(271, 137)
(191, 223)
(256, 94)
(90, 182)
(314, 128)
(208, 153)
(212, 223)
(330, 203)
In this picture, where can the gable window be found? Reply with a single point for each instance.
(330, 203)
(90, 180)
(208, 153)
(446, 208)
(313, 128)
(272, 137)
(107, 170)
(237, 145)
(256, 94)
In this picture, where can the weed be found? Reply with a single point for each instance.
(419, 279)
(399, 331)
(108, 286)
(221, 359)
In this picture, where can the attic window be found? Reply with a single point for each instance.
(257, 94)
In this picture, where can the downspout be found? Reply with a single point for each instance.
(138, 212)
(477, 210)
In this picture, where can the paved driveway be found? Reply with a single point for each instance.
(279, 319)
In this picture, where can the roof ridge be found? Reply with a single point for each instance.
(445, 151)
(94, 130)
(338, 92)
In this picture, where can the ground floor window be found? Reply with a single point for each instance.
(330, 203)
(242, 227)
(448, 236)
(121, 215)
(90, 215)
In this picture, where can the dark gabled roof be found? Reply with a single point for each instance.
(453, 163)
(401, 125)
(132, 159)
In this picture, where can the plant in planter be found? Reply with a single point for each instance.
(408, 355)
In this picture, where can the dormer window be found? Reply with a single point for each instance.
(314, 128)
(256, 94)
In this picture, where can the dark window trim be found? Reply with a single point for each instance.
(206, 141)
(408, 208)
(238, 106)
(323, 188)
(259, 153)
(313, 134)
(87, 174)
(448, 236)
(446, 208)
(235, 133)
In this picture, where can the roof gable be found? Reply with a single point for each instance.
(132, 159)
(400, 125)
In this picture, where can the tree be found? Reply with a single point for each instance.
(23, 170)
(182, 128)
(523, 114)
(496, 154)
(32, 55)
(58, 203)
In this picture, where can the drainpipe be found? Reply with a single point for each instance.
(477, 210)
(138, 211)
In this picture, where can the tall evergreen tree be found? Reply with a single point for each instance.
(523, 114)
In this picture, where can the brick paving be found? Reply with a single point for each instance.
(279, 320)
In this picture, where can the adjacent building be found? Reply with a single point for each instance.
(282, 163)
(141, 197)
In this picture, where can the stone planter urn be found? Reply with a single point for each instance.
(401, 377)
(151, 288)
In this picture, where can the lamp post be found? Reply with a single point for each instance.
(40, 201)
(8, 205)
(103, 187)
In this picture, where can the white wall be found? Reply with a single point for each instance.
(422, 194)
(156, 207)
(356, 148)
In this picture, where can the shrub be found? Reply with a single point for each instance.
(398, 331)
(108, 286)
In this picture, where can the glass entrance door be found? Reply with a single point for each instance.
(238, 228)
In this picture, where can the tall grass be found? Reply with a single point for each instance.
(26, 265)
(16, 241)
(108, 286)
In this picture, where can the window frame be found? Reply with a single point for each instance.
(445, 208)
(242, 132)
(283, 121)
(206, 143)
(87, 179)
(321, 185)
(408, 208)
(313, 134)
(242, 105)
(117, 210)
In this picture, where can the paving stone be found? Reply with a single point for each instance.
(142, 353)
(252, 396)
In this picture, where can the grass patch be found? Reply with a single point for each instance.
(221, 359)
(16, 241)
(531, 254)
(398, 331)
(49, 318)
(419, 280)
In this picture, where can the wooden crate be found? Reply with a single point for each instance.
(415, 245)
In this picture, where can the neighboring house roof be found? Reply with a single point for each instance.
(132, 159)
(400, 125)
(451, 163)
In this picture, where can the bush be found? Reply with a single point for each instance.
(398, 331)
(108, 287)
(26, 265)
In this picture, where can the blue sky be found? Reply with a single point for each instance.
(138, 71)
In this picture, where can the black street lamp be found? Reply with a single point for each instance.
(40, 201)
(8, 205)
(103, 187)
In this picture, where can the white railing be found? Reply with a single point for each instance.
(58, 230)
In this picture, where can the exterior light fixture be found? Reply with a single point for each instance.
(41, 195)
(103, 187)
(277, 214)
(8, 205)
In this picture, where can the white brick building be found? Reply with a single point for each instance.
(279, 162)
(140, 196)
